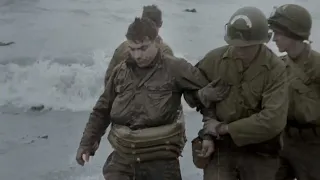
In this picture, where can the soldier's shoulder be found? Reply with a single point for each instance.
(122, 48)
(123, 44)
(172, 60)
(217, 52)
(121, 66)
(212, 57)
(164, 45)
(166, 49)
(315, 56)
(175, 64)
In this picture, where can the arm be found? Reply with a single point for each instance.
(99, 118)
(271, 120)
(190, 80)
(119, 55)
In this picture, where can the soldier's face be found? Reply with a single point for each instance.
(245, 53)
(143, 52)
(283, 42)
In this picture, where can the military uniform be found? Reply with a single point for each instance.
(122, 53)
(147, 125)
(256, 107)
(301, 152)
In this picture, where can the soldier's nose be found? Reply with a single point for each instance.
(135, 54)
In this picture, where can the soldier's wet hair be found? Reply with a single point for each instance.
(154, 13)
(140, 29)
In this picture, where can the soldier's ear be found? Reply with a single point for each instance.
(160, 24)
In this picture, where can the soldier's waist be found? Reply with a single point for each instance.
(135, 123)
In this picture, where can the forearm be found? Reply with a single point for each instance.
(97, 124)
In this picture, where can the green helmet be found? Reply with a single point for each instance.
(293, 20)
(247, 26)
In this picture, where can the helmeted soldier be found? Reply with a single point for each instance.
(248, 124)
(300, 157)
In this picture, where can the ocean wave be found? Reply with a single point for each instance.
(57, 83)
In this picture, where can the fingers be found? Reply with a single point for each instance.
(86, 157)
(208, 152)
(223, 92)
(82, 157)
(202, 152)
(207, 149)
(80, 160)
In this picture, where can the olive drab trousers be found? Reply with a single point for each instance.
(300, 157)
(116, 168)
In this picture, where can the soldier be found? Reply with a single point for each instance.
(291, 25)
(142, 102)
(152, 12)
(250, 120)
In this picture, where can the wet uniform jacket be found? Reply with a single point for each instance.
(141, 98)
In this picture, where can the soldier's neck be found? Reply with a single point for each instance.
(296, 50)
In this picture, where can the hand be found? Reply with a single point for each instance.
(213, 92)
(210, 127)
(222, 129)
(83, 154)
(207, 148)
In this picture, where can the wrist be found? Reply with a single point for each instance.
(208, 137)
(222, 129)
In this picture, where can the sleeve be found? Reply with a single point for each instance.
(190, 80)
(271, 120)
(99, 118)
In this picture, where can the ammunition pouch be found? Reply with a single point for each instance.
(168, 138)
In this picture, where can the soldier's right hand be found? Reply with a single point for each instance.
(207, 148)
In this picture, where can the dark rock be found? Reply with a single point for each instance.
(191, 10)
(44, 137)
(37, 108)
(32, 141)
